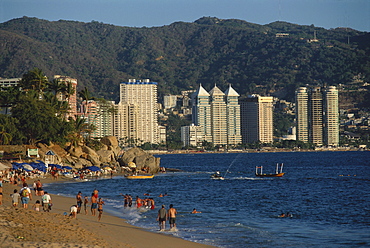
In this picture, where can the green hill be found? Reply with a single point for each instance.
(182, 55)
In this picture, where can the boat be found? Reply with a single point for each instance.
(217, 175)
(276, 174)
(139, 176)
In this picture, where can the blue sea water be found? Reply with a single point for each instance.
(327, 193)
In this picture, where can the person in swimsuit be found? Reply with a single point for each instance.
(162, 217)
(94, 204)
(79, 201)
(100, 207)
(172, 215)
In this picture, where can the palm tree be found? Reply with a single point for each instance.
(86, 96)
(39, 79)
(5, 137)
(34, 80)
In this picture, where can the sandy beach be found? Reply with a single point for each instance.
(28, 228)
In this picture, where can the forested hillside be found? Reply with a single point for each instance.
(182, 55)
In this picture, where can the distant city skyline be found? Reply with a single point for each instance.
(138, 13)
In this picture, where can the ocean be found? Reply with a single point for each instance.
(328, 194)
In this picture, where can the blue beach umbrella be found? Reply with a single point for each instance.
(93, 168)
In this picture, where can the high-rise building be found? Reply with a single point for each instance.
(191, 135)
(331, 117)
(233, 117)
(201, 112)
(218, 115)
(143, 94)
(125, 123)
(99, 115)
(257, 119)
(301, 108)
(317, 115)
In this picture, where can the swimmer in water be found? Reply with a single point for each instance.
(195, 211)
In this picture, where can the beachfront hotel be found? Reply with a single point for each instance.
(217, 114)
(317, 115)
(257, 119)
(141, 96)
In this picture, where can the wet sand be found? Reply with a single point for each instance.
(28, 228)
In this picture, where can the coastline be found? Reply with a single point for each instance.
(29, 228)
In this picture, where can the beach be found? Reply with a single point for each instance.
(29, 228)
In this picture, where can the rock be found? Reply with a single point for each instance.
(141, 159)
(110, 141)
(76, 151)
(106, 156)
(92, 156)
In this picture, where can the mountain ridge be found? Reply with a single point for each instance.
(181, 55)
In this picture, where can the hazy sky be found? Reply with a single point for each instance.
(138, 13)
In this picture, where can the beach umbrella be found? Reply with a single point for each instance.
(55, 165)
(93, 168)
(67, 167)
(3, 167)
(107, 168)
(131, 165)
(27, 167)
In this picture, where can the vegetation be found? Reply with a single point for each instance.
(182, 55)
(38, 112)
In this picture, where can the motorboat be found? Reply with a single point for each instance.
(217, 175)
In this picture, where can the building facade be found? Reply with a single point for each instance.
(317, 115)
(191, 135)
(71, 86)
(257, 119)
(143, 94)
(217, 114)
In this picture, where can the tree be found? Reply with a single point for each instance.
(38, 121)
(34, 80)
(86, 96)
(5, 137)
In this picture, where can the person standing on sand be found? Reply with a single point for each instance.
(172, 215)
(15, 198)
(86, 201)
(26, 195)
(94, 204)
(100, 208)
(46, 201)
(79, 201)
(162, 218)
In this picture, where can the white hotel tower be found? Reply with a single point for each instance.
(143, 95)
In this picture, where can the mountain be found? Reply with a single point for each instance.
(267, 59)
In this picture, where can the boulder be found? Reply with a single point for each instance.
(92, 156)
(141, 159)
(76, 151)
(109, 141)
(106, 156)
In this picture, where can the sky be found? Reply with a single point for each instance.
(138, 13)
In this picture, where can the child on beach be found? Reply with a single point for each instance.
(37, 206)
(15, 198)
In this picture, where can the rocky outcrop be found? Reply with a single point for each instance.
(142, 160)
(109, 155)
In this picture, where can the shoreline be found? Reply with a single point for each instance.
(29, 228)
